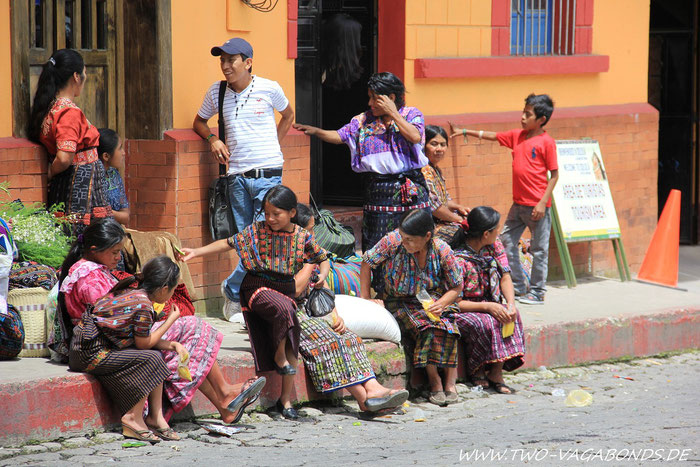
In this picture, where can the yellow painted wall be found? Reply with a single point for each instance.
(620, 30)
(5, 70)
(198, 26)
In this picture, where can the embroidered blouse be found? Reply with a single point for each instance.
(483, 271)
(261, 249)
(65, 128)
(85, 283)
(116, 195)
(122, 317)
(378, 149)
(436, 186)
(401, 274)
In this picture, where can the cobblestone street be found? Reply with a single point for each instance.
(646, 409)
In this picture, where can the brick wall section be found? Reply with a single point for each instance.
(479, 173)
(168, 184)
(24, 165)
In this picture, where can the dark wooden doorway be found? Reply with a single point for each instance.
(673, 90)
(39, 27)
(332, 180)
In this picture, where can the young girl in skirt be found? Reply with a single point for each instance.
(489, 302)
(272, 252)
(86, 277)
(335, 357)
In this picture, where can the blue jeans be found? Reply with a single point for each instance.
(246, 195)
(519, 218)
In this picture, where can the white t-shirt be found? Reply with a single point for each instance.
(252, 136)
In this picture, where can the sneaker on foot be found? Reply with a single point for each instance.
(531, 299)
(232, 309)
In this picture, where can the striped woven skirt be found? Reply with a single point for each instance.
(435, 342)
(82, 190)
(202, 342)
(269, 311)
(483, 342)
(388, 198)
(333, 361)
(128, 375)
(11, 331)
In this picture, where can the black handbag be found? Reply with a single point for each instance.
(320, 302)
(222, 224)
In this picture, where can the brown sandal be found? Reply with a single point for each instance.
(140, 435)
(168, 434)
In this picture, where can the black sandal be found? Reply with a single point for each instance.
(484, 382)
(285, 370)
(499, 387)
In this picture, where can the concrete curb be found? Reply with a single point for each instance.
(65, 406)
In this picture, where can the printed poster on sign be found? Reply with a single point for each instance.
(582, 194)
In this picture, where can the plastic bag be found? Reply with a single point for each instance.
(320, 302)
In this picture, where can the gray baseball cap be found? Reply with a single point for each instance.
(234, 46)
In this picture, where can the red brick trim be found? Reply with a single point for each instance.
(292, 15)
(12, 143)
(391, 41)
(480, 67)
(591, 111)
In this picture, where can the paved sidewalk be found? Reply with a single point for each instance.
(600, 319)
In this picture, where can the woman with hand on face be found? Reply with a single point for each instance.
(406, 262)
(447, 213)
(488, 307)
(386, 143)
(76, 174)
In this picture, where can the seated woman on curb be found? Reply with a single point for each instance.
(113, 342)
(446, 212)
(407, 260)
(86, 277)
(335, 358)
(489, 302)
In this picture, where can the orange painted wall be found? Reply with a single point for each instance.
(434, 29)
(198, 26)
(5, 70)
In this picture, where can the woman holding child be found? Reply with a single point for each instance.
(488, 308)
(86, 279)
(76, 175)
(405, 261)
(386, 143)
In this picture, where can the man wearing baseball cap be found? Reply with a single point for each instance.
(252, 150)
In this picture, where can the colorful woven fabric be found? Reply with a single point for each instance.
(85, 283)
(124, 316)
(385, 204)
(376, 148)
(116, 195)
(400, 274)
(202, 342)
(439, 196)
(525, 257)
(333, 361)
(482, 333)
(344, 275)
(11, 331)
(28, 274)
(261, 249)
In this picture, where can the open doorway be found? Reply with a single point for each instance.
(332, 180)
(673, 90)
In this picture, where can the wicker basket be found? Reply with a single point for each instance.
(31, 305)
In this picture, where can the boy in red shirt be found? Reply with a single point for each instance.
(534, 153)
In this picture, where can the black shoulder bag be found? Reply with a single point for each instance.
(221, 221)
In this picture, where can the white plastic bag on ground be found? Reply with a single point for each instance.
(367, 319)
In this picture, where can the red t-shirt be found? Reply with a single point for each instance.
(532, 158)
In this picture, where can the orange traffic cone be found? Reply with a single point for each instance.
(660, 265)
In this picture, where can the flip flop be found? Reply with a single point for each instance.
(375, 404)
(167, 434)
(246, 397)
(499, 387)
(140, 435)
